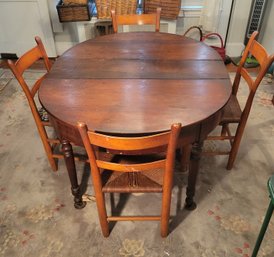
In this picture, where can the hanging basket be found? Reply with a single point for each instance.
(169, 8)
(69, 11)
(75, 2)
(104, 7)
(221, 49)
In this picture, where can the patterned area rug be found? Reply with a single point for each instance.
(38, 217)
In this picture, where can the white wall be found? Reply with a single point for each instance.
(67, 34)
(20, 22)
(238, 26)
(267, 31)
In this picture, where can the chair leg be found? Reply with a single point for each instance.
(224, 130)
(231, 160)
(52, 161)
(47, 147)
(166, 202)
(185, 157)
(102, 213)
(235, 146)
(165, 214)
(263, 229)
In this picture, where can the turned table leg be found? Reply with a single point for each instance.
(192, 176)
(70, 164)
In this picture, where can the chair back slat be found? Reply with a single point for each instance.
(31, 56)
(259, 52)
(128, 143)
(136, 19)
(40, 45)
(28, 59)
(131, 167)
(93, 140)
(246, 51)
(133, 19)
(36, 86)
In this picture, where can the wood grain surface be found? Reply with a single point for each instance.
(136, 83)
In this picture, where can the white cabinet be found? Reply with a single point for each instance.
(20, 22)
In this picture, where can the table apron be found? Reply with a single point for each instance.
(189, 134)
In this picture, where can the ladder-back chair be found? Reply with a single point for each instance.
(132, 174)
(233, 114)
(18, 68)
(136, 19)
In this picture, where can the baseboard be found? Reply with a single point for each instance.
(8, 56)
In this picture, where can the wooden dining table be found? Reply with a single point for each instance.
(136, 84)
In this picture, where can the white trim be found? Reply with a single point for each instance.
(192, 7)
(45, 23)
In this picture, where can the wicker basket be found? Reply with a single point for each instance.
(120, 6)
(170, 8)
(75, 2)
(73, 12)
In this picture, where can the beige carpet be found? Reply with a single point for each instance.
(37, 217)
